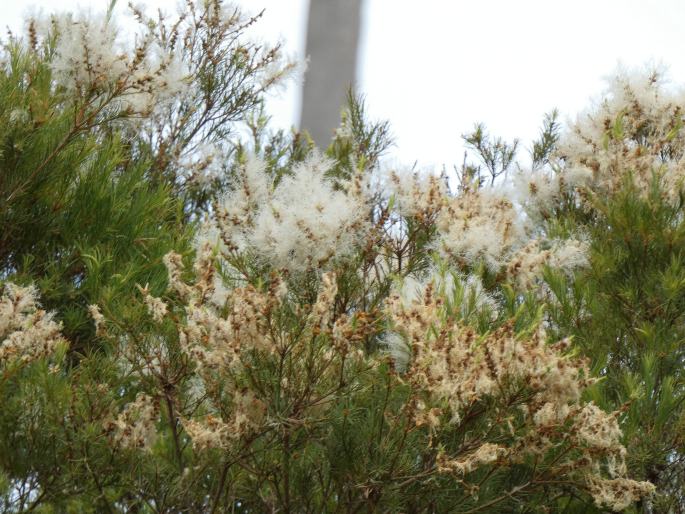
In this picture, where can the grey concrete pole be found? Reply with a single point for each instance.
(332, 41)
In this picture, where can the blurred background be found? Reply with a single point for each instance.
(435, 68)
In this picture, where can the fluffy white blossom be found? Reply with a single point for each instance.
(460, 368)
(87, 50)
(302, 223)
(90, 57)
(237, 211)
(480, 225)
(155, 306)
(485, 454)
(282, 70)
(98, 319)
(415, 194)
(212, 432)
(526, 265)
(618, 493)
(537, 190)
(635, 129)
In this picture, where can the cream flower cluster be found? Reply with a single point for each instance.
(480, 225)
(212, 432)
(490, 225)
(459, 368)
(635, 129)
(135, 426)
(215, 341)
(618, 493)
(27, 333)
(416, 195)
(222, 343)
(526, 265)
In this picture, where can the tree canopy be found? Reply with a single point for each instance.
(200, 314)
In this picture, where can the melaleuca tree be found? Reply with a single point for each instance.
(87, 208)
(256, 381)
(337, 337)
(82, 223)
(618, 179)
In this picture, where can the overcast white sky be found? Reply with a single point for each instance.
(435, 70)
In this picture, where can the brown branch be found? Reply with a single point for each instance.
(174, 428)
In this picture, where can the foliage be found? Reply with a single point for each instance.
(254, 325)
(626, 311)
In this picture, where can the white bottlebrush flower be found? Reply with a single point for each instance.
(307, 221)
(203, 166)
(87, 50)
(207, 242)
(90, 57)
(492, 225)
(155, 306)
(156, 81)
(598, 428)
(236, 212)
(415, 194)
(480, 225)
(171, 75)
(208, 236)
(633, 131)
(281, 71)
(576, 176)
(618, 493)
(569, 255)
(27, 333)
(485, 454)
(526, 266)
(537, 190)
(303, 223)
(467, 292)
(98, 319)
